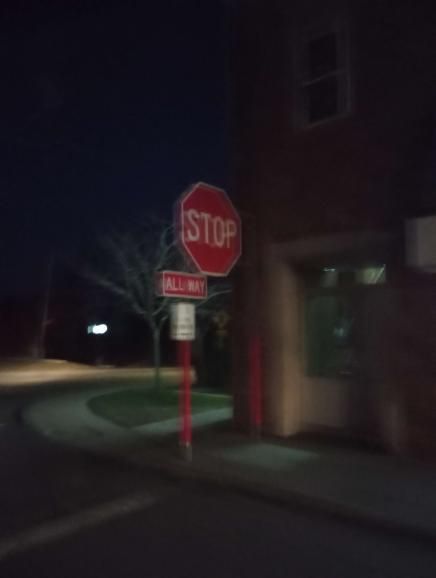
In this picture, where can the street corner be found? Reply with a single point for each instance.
(67, 419)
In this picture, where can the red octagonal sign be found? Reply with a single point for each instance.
(209, 229)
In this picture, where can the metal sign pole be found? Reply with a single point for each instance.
(185, 400)
(182, 328)
(208, 230)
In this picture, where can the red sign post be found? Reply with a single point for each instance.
(185, 399)
(182, 328)
(209, 229)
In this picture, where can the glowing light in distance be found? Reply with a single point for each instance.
(97, 329)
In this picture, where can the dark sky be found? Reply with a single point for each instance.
(108, 111)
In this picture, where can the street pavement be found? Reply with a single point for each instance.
(72, 505)
(41, 479)
(377, 489)
(198, 532)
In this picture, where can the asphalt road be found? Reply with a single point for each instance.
(180, 530)
(198, 532)
(41, 480)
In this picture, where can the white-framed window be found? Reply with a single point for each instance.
(323, 74)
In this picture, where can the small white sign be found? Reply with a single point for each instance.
(182, 321)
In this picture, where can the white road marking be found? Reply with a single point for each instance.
(57, 529)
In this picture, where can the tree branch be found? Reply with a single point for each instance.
(133, 259)
(117, 290)
(214, 295)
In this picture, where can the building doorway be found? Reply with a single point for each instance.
(338, 392)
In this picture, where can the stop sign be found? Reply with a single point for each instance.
(209, 229)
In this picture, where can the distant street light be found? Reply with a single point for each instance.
(97, 329)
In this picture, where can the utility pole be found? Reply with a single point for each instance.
(45, 308)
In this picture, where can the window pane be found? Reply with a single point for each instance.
(322, 56)
(329, 277)
(322, 99)
(329, 325)
(371, 275)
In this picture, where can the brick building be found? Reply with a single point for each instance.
(334, 153)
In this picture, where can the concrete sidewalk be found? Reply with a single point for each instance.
(388, 492)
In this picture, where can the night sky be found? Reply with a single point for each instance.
(108, 111)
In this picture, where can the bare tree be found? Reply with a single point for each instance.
(128, 265)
